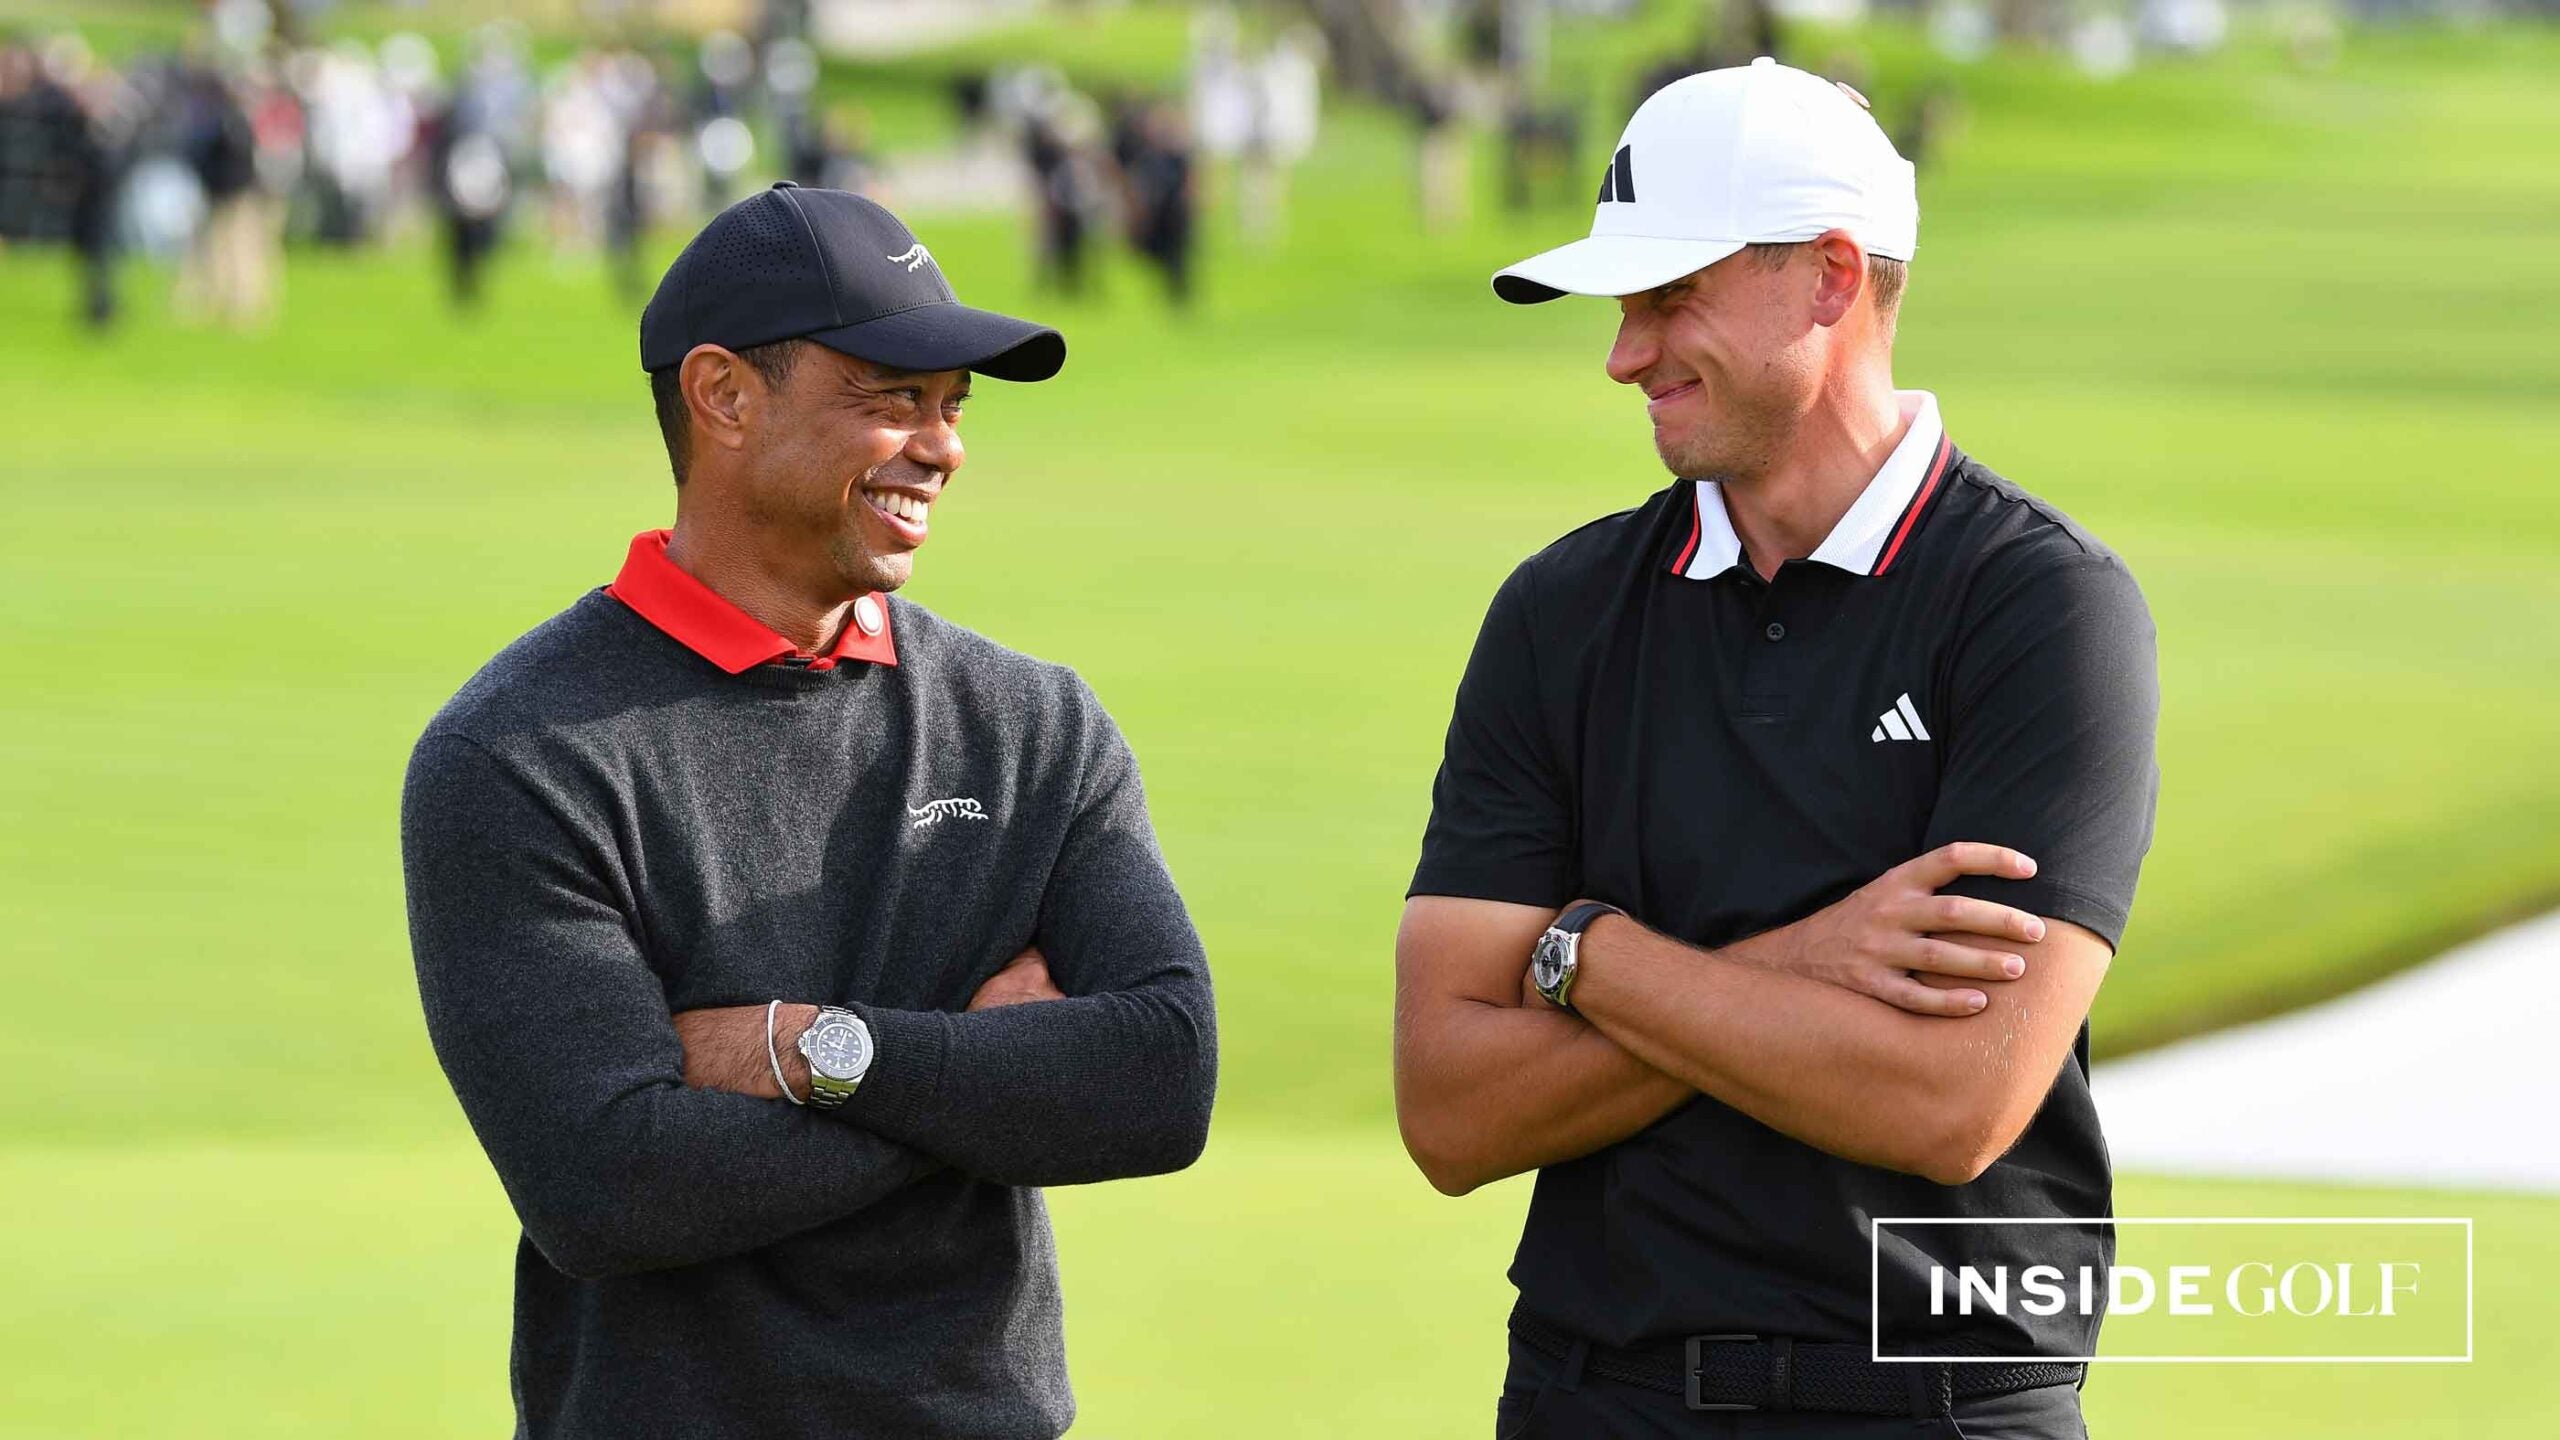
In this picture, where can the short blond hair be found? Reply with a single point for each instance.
(1885, 275)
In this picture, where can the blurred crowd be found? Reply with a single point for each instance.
(1143, 166)
(213, 156)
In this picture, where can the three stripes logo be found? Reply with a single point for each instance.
(1900, 723)
(1618, 182)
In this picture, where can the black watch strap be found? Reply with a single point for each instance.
(1556, 960)
(1578, 918)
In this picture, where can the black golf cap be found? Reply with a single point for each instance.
(791, 263)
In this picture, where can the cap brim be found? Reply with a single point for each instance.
(952, 337)
(1608, 265)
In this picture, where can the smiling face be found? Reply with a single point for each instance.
(843, 464)
(1730, 359)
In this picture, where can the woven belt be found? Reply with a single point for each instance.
(1773, 1372)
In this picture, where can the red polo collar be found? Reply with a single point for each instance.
(660, 592)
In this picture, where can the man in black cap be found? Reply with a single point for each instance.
(780, 937)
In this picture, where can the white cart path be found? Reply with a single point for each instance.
(2446, 1075)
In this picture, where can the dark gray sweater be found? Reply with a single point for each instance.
(603, 828)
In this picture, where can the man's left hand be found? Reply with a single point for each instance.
(1024, 979)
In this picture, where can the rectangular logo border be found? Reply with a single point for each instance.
(1875, 1290)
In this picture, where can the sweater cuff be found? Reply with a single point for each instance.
(906, 1067)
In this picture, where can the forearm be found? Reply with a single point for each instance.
(1116, 1076)
(555, 1035)
(663, 1176)
(1063, 1092)
(1840, 1071)
(1485, 1091)
(615, 1163)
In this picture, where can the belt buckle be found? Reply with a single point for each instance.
(1698, 1370)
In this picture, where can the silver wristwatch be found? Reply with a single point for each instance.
(1557, 957)
(838, 1047)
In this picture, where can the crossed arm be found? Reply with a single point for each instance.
(1898, 1027)
(555, 1034)
(1910, 1025)
(1066, 1090)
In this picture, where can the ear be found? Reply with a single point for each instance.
(1839, 276)
(721, 393)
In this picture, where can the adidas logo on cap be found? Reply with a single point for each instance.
(1753, 154)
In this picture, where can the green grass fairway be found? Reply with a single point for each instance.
(2275, 335)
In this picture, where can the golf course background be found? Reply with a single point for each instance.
(2280, 335)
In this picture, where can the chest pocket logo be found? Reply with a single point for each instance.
(934, 812)
(1902, 722)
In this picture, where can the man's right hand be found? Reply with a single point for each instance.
(1023, 979)
(1883, 938)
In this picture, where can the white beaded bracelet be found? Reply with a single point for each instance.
(774, 1054)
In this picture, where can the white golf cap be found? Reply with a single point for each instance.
(1713, 162)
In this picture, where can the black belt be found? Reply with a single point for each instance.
(1773, 1372)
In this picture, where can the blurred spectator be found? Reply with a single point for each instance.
(1286, 88)
(1440, 161)
(725, 70)
(1155, 160)
(229, 273)
(808, 150)
(585, 139)
(646, 112)
(834, 150)
(467, 160)
(359, 127)
(1929, 116)
(1541, 146)
(1222, 93)
(1253, 113)
(57, 173)
(1058, 138)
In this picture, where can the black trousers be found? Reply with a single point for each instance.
(1542, 1402)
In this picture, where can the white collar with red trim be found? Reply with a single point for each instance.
(1862, 540)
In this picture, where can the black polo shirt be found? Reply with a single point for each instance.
(1646, 721)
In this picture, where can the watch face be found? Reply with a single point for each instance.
(839, 1049)
(1546, 963)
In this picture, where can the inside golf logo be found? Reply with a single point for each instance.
(2254, 1287)
(2348, 1289)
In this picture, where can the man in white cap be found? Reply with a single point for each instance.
(1787, 825)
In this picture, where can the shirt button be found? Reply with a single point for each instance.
(1776, 631)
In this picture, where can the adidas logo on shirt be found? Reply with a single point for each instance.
(1901, 722)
